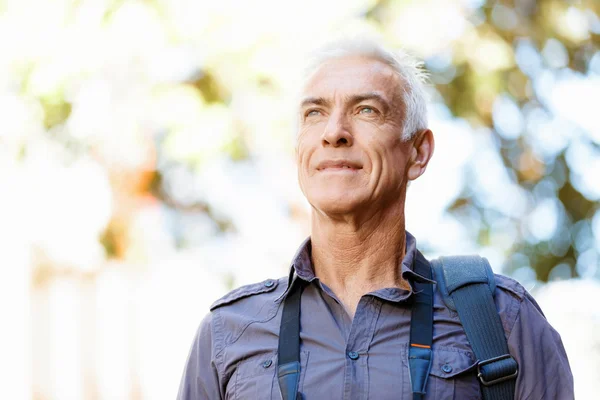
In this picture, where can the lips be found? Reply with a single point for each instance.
(338, 164)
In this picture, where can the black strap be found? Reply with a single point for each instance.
(421, 330)
(288, 363)
(467, 281)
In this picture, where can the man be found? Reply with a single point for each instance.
(362, 137)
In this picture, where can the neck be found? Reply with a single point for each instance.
(355, 256)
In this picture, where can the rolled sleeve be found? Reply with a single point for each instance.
(544, 371)
(200, 378)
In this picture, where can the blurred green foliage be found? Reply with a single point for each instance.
(510, 48)
(469, 92)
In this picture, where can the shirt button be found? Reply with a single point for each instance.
(353, 355)
(267, 364)
(269, 283)
(446, 368)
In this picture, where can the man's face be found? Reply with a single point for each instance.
(350, 153)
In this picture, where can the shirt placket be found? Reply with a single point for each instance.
(356, 372)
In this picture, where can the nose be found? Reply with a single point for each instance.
(336, 132)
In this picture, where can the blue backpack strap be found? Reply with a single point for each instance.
(467, 285)
(421, 330)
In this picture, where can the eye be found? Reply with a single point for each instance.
(312, 113)
(366, 110)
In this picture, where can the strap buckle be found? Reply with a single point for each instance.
(507, 371)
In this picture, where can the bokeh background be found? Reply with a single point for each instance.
(146, 168)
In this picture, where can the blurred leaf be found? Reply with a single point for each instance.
(56, 110)
(207, 84)
(236, 148)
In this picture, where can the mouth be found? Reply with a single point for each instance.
(338, 165)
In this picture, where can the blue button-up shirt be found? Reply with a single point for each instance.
(234, 354)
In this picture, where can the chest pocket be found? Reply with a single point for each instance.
(255, 378)
(452, 375)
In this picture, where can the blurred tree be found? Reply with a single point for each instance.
(508, 67)
(547, 39)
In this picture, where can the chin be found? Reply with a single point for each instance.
(338, 203)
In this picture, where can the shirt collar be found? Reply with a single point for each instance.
(302, 268)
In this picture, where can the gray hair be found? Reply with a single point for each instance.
(408, 69)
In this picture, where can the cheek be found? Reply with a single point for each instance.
(300, 150)
(303, 152)
(388, 161)
(396, 166)
(305, 146)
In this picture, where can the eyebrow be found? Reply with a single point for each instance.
(354, 99)
(317, 101)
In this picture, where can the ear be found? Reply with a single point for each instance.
(421, 152)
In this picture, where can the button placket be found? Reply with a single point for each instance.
(357, 348)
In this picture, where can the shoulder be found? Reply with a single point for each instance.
(536, 344)
(257, 303)
(506, 286)
(513, 301)
(259, 291)
(456, 271)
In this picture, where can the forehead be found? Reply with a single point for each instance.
(351, 75)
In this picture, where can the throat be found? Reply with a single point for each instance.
(350, 304)
(350, 296)
(356, 260)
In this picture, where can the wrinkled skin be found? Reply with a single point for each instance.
(350, 153)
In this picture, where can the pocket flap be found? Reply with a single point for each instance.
(265, 363)
(448, 362)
